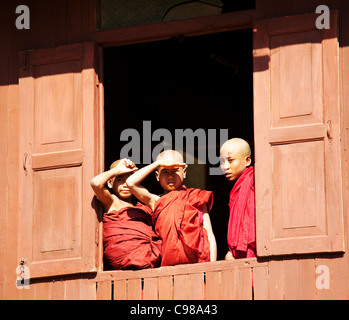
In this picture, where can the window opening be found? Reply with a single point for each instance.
(203, 82)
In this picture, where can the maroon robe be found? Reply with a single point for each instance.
(241, 227)
(178, 220)
(129, 240)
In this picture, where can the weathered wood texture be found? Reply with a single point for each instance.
(55, 23)
(295, 278)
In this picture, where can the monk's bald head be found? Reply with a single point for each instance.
(235, 157)
(237, 146)
(170, 156)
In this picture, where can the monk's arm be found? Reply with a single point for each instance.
(211, 238)
(99, 186)
(99, 182)
(134, 183)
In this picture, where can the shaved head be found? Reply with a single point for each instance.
(235, 156)
(237, 146)
(171, 156)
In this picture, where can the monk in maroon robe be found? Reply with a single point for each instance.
(181, 215)
(178, 220)
(236, 164)
(128, 236)
(129, 240)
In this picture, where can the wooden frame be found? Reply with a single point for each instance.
(162, 31)
(166, 30)
(67, 22)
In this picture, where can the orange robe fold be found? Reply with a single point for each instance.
(129, 240)
(178, 220)
(241, 227)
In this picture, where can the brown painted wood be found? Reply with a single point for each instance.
(104, 290)
(134, 289)
(296, 92)
(76, 24)
(58, 102)
(180, 290)
(150, 291)
(165, 288)
(120, 289)
(196, 286)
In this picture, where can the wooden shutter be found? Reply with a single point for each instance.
(297, 136)
(58, 136)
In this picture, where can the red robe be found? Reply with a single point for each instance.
(241, 226)
(178, 220)
(129, 240)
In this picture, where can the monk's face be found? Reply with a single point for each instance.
(120, 187)
(170, 179)
(233, 163)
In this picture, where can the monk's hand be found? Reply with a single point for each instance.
(172, 165)
(126, 166)
(229, 256)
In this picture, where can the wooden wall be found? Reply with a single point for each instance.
(60, 22)
(52, 23)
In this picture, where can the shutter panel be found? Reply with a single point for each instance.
(297, 141)
(58, 121)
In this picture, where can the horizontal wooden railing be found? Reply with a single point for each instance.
(222, 280)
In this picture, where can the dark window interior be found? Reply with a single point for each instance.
(184, 82)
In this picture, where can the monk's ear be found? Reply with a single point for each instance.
(110, 183)
(248, 161)
(157, 175)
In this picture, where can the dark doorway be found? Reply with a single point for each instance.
(184, 82)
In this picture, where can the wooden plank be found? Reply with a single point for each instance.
(180, 291)
(324, 275)
(196, 286)
(179, 269)
(59, 32)
(87, 289)
(104, 290)
(134, 289)
(166, 30)
(58, 290)
(57, 55)
(24, 294)
(306, 276)
(245, 284)
(340, 272)
(165, 288)
(57, 159)
(228, 285)
(344, 66)
(120, 289)
(43, 290)
(291, 289)
(72, 289)
(150, 290)
(260, 283)
(213, 285)
(293, 134)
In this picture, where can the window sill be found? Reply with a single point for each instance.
(210, 280)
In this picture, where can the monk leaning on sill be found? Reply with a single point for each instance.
(128, 238)
(181, 215)
(235, 155)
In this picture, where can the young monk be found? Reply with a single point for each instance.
(128, 237)
(235, 155)
(181, 215)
